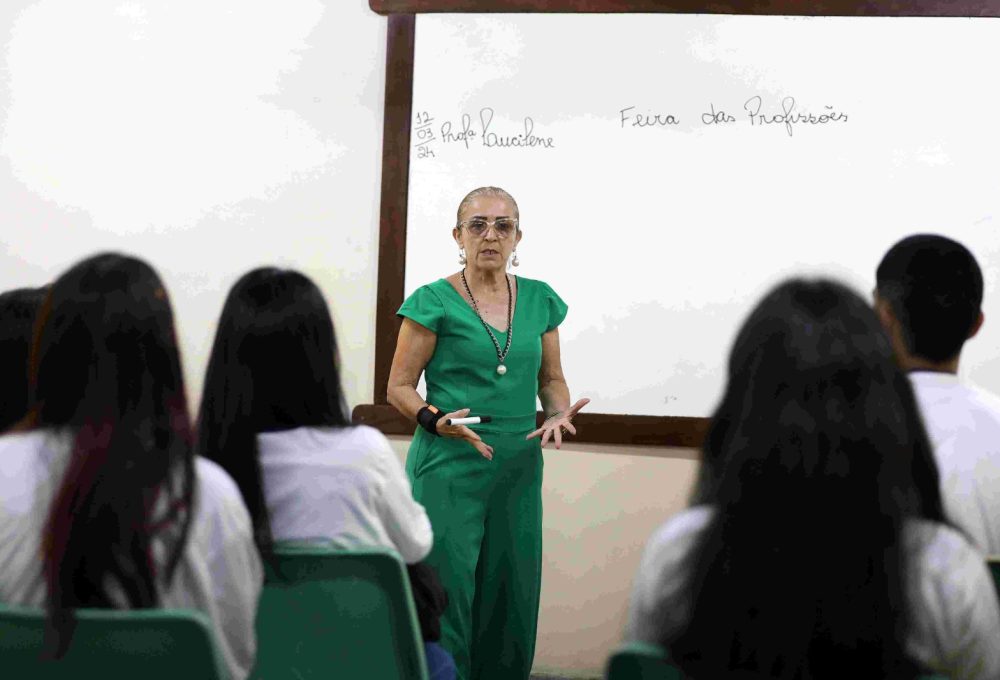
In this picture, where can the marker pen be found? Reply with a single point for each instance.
(468, 421)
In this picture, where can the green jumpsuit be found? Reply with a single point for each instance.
(486, 515)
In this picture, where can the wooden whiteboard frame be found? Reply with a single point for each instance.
(598, 428)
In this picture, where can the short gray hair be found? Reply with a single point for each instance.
(486, 191)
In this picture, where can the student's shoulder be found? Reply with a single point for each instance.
(354, 445)
(370, 438)
(949, 583)
(351, 438)
(22, 464)
(216, 494)
(374, 446)
(942, 553)
(688, 521)
(21, 451)
(664, 569)
(953, 598)
(213, 479)
(20, 446)
(673, 538)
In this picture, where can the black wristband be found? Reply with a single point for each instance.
(427, 418)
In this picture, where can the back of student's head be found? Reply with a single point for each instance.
(935, 289)
(106, 373)
(18, 310)
(273, 366)
(814, 458)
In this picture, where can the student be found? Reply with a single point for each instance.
(273, 415)
(817, 546)
(17, 318)
(102, 503)
(928, 296)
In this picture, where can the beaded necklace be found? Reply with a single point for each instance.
(501, 354)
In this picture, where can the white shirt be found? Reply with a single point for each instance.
(957, 618)
(219, 572)
(963, 423)
(344, 485)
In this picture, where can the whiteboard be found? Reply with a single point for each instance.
(669, 169)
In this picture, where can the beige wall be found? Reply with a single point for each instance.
(260, 143)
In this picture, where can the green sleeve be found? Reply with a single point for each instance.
(425, 307)
(556, 308)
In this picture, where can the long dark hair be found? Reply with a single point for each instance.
(814, 459)
(106, 371)
(273, 366)
(18, 310)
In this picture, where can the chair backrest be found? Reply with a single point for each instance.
(148, 644)
(644, 661)
(641, 661)
(993, 562)
(327, 612)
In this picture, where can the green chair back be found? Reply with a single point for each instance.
(993, 562)
(641, 661)
(327, 612)
(644, 661)
(149, 644)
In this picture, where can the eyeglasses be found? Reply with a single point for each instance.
(503, 226)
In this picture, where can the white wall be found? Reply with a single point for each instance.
(216, 136)
(208, 138)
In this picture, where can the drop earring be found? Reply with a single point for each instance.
(515, 262)
(461, 256)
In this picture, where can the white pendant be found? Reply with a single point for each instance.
(501, 369)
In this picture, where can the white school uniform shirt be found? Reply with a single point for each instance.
(956, 629)
(219, 572)
(343, 485)
(963, 423)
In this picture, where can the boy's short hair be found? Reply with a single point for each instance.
(934, 287)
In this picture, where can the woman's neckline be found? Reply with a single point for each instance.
(465, 303)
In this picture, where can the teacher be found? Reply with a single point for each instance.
(488, 343)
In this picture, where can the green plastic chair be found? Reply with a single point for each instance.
(148, 644)
(327, 612)
(641, 661)
(644, 661)
(993, 562)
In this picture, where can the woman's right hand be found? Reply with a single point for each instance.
(463, 432)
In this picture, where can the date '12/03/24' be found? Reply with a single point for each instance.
(424, 134)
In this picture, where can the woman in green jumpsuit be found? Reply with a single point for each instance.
(488, 344)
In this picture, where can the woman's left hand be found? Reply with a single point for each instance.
(557, 423)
